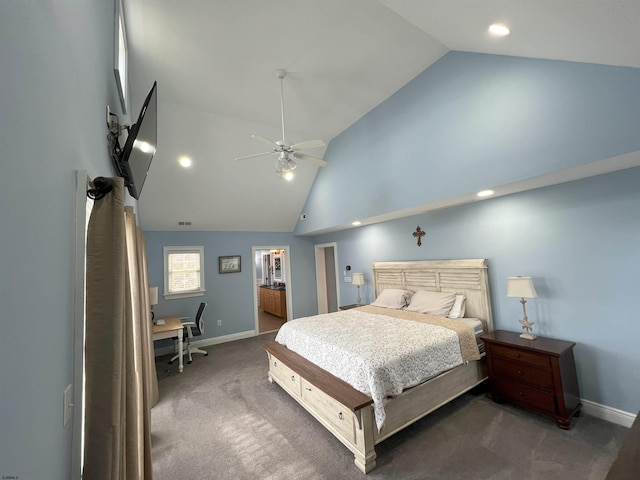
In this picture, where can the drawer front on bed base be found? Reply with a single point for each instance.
(286, 377)
(339, 416)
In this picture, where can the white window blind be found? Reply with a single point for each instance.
(184, 271)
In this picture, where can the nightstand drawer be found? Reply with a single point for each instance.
(521, 355)
(517, 392)
(523, 373)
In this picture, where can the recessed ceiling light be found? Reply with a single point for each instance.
(485, 193)
(356, 223)
(499, 30)
(185, 162)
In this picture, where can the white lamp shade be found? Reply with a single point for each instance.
(153, 295)
(357, 278)
(521, 287)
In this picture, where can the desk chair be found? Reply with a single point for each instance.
(192, 329)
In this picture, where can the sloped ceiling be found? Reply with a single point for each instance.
(215, 63)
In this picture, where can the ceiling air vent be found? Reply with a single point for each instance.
(182, 224)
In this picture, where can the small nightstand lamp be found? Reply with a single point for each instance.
(153, 299)
(522, 287)
(358, 279)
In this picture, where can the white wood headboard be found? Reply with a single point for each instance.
(468, 277)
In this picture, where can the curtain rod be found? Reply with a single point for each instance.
(101, 186)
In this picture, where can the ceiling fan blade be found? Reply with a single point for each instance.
(266, 140)
(303, 156)
(253, 155)
(309, 144)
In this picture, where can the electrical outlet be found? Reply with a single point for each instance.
(219, 323)
(67, 405)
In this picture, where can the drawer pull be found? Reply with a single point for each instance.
(293, 378)
(522, 394)
(517, 355)
(307, 389)
(340, 416)
(519, 372)
(275, 364)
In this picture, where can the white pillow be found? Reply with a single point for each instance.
(393, 298)
(459, 306)
(433, 303)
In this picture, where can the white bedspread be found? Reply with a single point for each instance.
(376, 354)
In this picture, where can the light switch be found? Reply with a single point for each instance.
(347, 279)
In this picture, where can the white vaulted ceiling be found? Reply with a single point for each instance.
(215, 62)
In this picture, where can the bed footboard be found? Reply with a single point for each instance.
(348, 413)
(341, 409)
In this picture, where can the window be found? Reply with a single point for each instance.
(183, 272)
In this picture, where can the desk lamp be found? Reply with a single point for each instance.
(153, 299)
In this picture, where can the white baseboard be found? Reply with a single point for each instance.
(610, 414)
(207, 342)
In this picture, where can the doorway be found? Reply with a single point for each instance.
(327, 277)
(271, 287)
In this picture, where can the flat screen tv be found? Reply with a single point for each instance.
(134, 160)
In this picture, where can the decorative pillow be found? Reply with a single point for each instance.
(457, 311)
(433, 303)
(393, 298)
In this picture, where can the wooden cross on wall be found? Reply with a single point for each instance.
(419, 233)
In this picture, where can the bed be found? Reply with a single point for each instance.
(362, 417)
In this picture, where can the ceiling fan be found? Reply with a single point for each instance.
(285, 163)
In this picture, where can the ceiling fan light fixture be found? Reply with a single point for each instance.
(285, 166)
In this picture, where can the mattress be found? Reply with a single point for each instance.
(473, 323)
(376, 354)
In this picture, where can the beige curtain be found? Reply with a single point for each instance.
(121, 383)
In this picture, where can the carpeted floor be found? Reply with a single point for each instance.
(222, 419)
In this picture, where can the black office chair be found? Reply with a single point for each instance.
(192, 329)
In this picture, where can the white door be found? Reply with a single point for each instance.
(327, 277)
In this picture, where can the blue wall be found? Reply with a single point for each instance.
(56, 78)
(580, 242)
(474, 121)
(471, 122)
(229, 297)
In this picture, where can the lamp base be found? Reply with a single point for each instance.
(528, 336)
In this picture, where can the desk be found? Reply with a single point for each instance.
(172, 328)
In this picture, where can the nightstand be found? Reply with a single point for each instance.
(538, 375)
(349, 307)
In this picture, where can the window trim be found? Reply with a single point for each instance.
(177, 250)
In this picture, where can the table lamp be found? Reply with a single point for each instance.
(153, 299)
(522, 287)
(358, 279)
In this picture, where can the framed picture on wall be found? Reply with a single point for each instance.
(229, 264)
